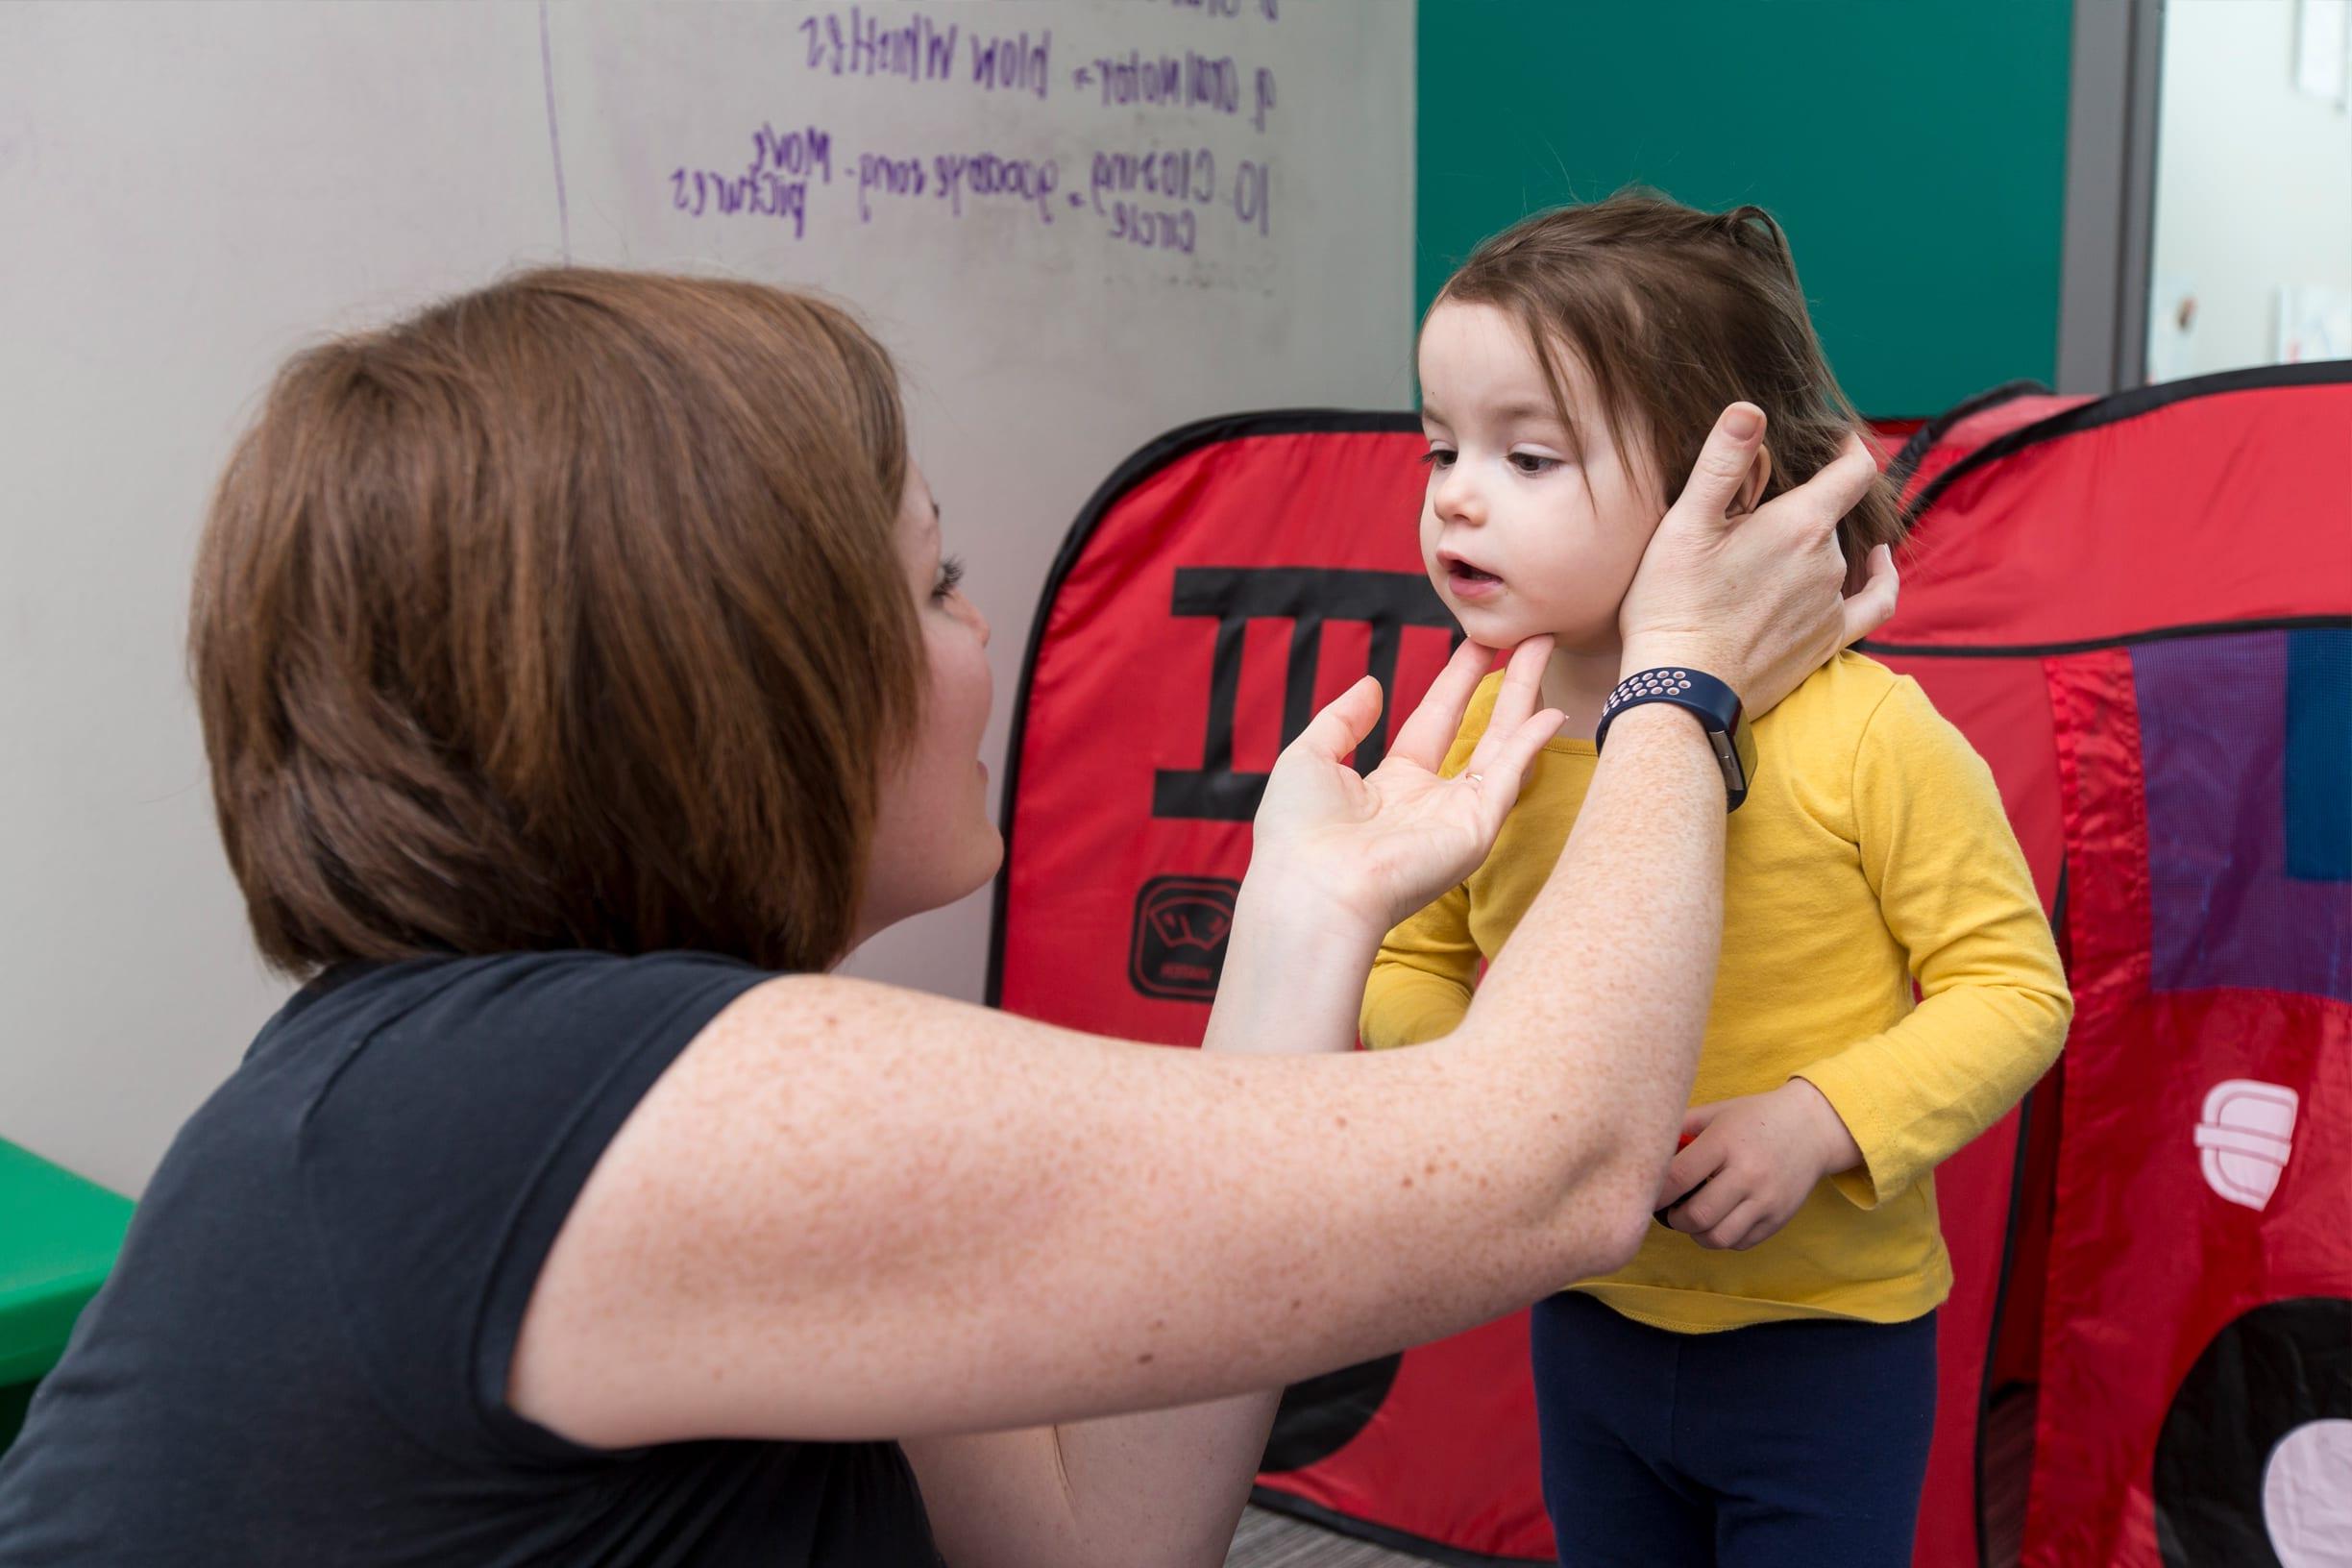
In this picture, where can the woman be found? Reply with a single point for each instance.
(582, 680)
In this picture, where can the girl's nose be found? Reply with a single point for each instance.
(1458, 499)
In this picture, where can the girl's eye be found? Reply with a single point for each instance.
(1529, 463)
(1439, 457)
(950, 577)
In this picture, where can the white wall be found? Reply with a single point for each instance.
(2253, 181)
(187, 194)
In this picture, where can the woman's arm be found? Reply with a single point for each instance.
(847, 1210)
(854, 1212)
(1165, 1486)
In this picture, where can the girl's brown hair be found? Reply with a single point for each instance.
(568, 613)
(1677, 313)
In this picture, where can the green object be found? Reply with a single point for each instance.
(59, 1236)
(1915, 153)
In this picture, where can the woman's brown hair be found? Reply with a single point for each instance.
(1677, 313)
(568, 613)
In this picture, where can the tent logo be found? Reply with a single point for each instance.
(1309, 597)
(1178, 949)
(2243, 1141)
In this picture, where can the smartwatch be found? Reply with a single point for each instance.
(1717, 707)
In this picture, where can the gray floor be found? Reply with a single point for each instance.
(1270, 1540)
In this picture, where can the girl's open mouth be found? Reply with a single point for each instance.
(1467, 581)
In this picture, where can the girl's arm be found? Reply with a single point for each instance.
(1875, 1115)
(1955, 892)
(1420, 985)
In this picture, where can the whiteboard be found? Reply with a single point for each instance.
(1077, 222)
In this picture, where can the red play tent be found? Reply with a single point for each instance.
(2139, 611)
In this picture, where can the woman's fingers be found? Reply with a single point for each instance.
(1833, 491)
(1343, 723)
(1723, 463)
(1424, 737)
(1514, 701)
(1872, 605)
(1502, 767)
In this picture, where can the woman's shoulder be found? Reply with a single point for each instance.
(451, 1003)
(497, 1045)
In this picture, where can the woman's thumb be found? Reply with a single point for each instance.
(1723, 463)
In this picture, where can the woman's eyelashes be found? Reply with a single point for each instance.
(950, 577)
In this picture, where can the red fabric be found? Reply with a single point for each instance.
(2002, 705)
(2091, 535)
(1964, 435)
(1120, 690)
(1452, 1455)
(2149, 1262)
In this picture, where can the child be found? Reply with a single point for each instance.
(1758, 1385)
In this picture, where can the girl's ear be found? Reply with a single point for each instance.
(1751, 488)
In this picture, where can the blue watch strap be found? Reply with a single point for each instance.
(1715, 705)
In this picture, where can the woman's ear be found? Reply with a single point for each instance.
(1751, 488)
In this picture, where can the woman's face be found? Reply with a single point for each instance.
(933, 840)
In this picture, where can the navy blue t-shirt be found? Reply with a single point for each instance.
(300, 1359)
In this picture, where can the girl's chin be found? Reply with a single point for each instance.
(1493, 629)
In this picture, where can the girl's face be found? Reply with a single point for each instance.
(933, 840)
(1523, 530)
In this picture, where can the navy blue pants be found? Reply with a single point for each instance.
(1800, 1443)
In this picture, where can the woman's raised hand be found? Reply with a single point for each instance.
(1754, 599)
(1384, 844)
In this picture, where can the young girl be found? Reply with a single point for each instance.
(1758, 1386)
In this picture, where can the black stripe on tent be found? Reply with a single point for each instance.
(1148, 460)
(2009, 1242)
(1395, 1540)
(2123, 405)
(2091, 645)
(1898, 472)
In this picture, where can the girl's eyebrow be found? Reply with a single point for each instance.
(1506, 414)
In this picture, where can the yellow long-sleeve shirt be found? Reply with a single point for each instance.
(1872, 852)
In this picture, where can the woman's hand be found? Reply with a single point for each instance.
(1753, 600)
(1383, 846)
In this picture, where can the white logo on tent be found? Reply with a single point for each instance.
(2246, 1137)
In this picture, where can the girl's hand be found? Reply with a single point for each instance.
(1373, 849)
(1760, 1157)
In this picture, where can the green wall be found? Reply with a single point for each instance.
(1914, 149)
